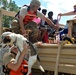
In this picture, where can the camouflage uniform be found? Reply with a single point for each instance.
(29, 26)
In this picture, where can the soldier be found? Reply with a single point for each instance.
(27, 14)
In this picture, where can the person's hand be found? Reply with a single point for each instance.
(23, 31)
(74, 17)
(60, 14)
(38, 43)
(56, 27)
(25, 35)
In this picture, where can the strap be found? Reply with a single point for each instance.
(15, 42)
(58, 19)
(28, 8)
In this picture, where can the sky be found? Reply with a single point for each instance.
(57, 6)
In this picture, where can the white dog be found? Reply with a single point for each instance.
(19, 40)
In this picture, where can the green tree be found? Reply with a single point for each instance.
(10, 6)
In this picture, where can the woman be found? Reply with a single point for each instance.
(21, 67)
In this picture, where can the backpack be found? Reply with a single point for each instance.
(28, 8)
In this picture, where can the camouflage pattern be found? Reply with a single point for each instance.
(34, 31)
(32, 26)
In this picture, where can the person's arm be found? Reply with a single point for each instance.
(15, 67)
(50, 22)
(39, 43)
(67, 14)
(21, 24)
(22, 14)
(42, 16)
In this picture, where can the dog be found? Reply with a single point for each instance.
(18, 39)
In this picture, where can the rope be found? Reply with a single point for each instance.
(58, 19)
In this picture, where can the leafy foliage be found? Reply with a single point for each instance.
(10, 6)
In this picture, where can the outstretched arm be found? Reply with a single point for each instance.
(50, 23)
(67, 14)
